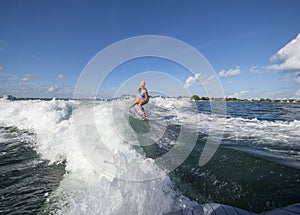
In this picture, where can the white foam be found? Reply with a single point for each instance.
(85, 189)
(280, 136)
(266, 132)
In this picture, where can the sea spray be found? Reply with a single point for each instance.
(84, 189)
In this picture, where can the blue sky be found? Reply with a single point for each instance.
(253, 46)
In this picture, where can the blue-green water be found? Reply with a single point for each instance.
(256, 166)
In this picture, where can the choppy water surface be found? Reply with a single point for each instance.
(44, 169)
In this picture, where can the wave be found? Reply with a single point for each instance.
(274, 140)
(85, 189)
(101, 153)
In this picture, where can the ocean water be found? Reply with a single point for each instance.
(98, 157)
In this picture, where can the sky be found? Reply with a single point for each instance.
(253, 46)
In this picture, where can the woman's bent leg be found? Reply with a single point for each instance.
(142, 109)
(137, 101)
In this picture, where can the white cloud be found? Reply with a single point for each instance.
(288, 57)
(231, 72)
(297, 93)
(254, 69)
(26, 77)
(241, 94)
(53, 89)
(210, 78)
(1, 68)
(60, 76)
(258, 69)
(191, 80)
(207, 80)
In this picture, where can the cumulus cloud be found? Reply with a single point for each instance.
(288, 57)
(191, 80)
(297, 93)
(52, 89)
(231, 72)
(60, 76)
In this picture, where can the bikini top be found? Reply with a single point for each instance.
(143, 95)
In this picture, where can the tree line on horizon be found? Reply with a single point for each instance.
(233, 99)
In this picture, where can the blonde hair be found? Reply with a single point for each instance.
(143, 83)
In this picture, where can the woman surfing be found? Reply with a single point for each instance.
(143, 98)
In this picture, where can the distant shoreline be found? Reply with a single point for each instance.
(232, 99)
(193, 98)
